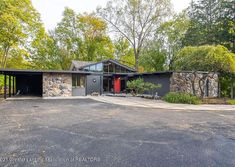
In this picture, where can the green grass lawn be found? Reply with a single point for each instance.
(231, 102)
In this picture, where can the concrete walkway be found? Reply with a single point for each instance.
(140, 102)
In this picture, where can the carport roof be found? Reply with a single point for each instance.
(26, 71)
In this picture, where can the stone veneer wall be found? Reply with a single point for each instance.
(188, 81)
(57, 85)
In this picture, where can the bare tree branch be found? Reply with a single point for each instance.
(136, 20)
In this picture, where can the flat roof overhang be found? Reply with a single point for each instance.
(154, 73)
(38, 72)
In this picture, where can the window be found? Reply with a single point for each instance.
(92, 68)
(123, 70)
(78, 81)
(118, 69)
(99, 67)
(108, 67)
(86, 69)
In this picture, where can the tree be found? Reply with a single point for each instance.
(83, 37)
(211, 23)
(205, 58)
(136, 20)
(17, 60)
(78, 36)
(97, 44)
(19, 23)
(124, 52)
(46, 54)
(153, 58)
(226, 25)
(212, 59)
(171, 34)
(67, 36)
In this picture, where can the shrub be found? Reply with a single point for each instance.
(138, 86)
(150, 87)
(185, 98)
(231, 102)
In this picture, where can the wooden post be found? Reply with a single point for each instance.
(126, 79)
(5, 86)
(13, 91)
(9, 87)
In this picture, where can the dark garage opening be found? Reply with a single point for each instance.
(29, 85)
(20, 83)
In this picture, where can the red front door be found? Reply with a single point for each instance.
(117, 85)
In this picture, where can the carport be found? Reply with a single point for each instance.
(42, 83)
(22, 82)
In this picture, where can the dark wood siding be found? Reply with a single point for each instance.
(163, 79)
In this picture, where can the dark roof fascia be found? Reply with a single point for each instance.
(123, 74)
(199, 72)
(147, 73)
(171, 72)
(111, 60)
(112, 74)
(19, 71)
(154, 73)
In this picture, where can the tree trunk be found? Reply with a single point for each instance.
(170, 67)
(137, 53)
(193, 83)
(202, 86)
(136, 63)
(232, 91)
(4, 58)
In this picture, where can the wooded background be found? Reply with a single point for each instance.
(145, 34)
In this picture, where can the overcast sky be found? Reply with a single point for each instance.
(51, 10)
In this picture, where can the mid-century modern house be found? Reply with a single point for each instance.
(108, 76)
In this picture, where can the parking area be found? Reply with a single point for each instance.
(85, 132)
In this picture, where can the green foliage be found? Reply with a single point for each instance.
(211, 23)
(19, 24)
(17, 60)
(46, 55)
(171, 34)
(143, 36)
(124, 52)
(78, 36)
(232, 102)
(208, 58)
(205, 58)
(150, 87)
(226, 84)
(96, 43)
(177, 97)
(153, 58)
(135, 20)
(138, 86)
(1, 82)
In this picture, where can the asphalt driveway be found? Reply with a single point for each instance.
(85, 132)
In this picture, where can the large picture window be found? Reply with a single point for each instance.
(78, 81)
(99, 67)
